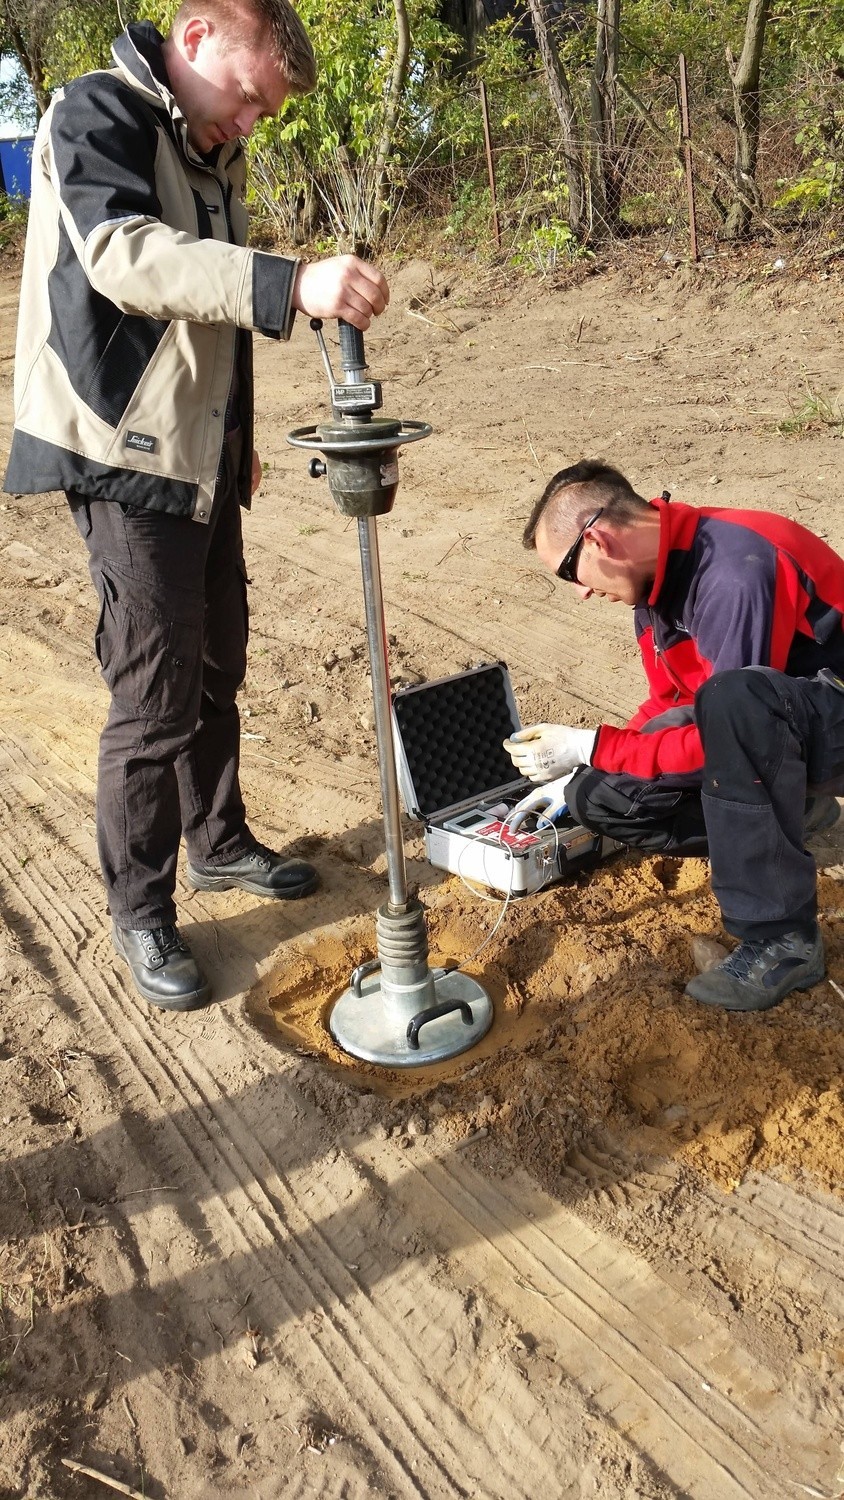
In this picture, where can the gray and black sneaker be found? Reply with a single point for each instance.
(757, 975)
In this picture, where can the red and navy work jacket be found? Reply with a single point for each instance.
(733, 588)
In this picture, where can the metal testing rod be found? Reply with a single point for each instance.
(396, 1010)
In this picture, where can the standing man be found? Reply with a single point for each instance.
(133, 394)
(738, 616)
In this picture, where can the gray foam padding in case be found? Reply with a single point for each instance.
(452, 733)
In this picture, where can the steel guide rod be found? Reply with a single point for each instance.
(376, 631)
(396, 1011)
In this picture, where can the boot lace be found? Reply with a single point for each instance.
(263, 857)
(159, 941)
(742, 959)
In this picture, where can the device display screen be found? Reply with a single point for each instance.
(469, 821)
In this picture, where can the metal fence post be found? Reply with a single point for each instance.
(490, 166)
(687, 155)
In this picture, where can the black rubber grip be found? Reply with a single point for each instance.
(352, 356)
(432, 1014)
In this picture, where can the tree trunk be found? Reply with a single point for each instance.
(603, 152)
(563, 102)
(392, 108)
(30, 61)
(469, 20)
(744, 76)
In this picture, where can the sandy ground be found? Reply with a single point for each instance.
(601, 1254)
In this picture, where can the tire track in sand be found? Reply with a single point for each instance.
(708, 1412)
(273, 1220)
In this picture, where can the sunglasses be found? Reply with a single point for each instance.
(568, 567)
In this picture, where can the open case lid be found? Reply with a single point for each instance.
(448, 738)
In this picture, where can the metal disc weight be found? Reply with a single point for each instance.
(363, 1025)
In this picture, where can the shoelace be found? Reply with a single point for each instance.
(263, 857)
(162, 940)
(742, 959)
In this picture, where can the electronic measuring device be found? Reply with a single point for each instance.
(456, 777)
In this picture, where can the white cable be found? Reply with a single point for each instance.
(473, 891)
(479, 894)
(500, 918)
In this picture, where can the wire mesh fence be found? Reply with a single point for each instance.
(506, 185)
(521, 188)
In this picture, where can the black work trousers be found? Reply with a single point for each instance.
(768, 740)
(171, 642)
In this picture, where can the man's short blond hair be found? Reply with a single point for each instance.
(275, 22)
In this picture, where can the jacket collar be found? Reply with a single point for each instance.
(677, 526)
(138, 56)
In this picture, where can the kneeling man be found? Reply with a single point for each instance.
(740, 743)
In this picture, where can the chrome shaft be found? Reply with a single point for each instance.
(376, 632)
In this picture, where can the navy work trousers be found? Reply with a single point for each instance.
(768, 740)
(171, 642)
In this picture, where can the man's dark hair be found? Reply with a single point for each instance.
(275, 20)
(607, 488)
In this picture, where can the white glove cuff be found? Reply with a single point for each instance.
(585, 744)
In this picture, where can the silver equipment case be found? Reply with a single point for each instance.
(456, 777)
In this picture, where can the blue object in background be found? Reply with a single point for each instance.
(16, 165)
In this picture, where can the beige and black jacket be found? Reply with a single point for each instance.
(136, 297)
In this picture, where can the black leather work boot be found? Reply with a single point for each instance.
(757, 975)
(163, 967)
(259, 871)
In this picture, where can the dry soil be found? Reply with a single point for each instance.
(601, 1254)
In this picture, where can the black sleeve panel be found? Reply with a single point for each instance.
(104, 143)
(272, 289)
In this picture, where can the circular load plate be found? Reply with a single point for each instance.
(364, 1026)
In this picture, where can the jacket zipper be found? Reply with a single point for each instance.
(680, 688)
(224, 191)
(227, 197)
